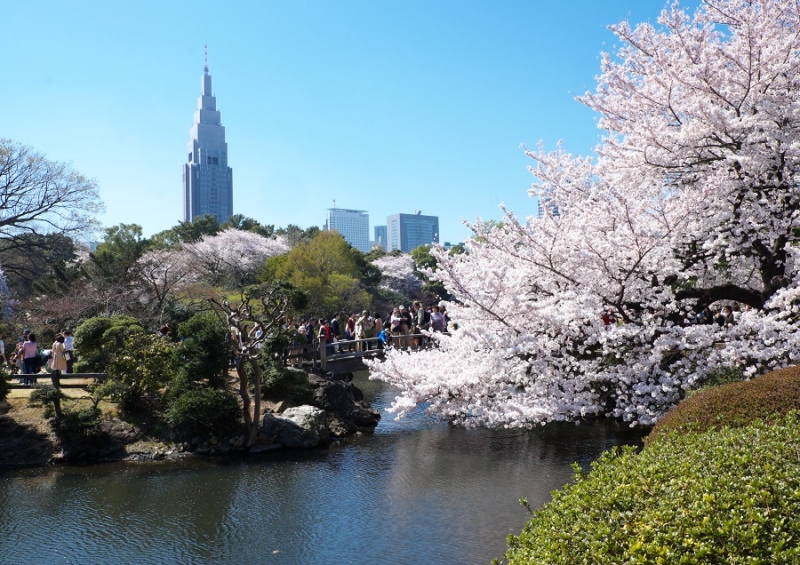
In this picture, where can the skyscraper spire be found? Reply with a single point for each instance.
(207, 178)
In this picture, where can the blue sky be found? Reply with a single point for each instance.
(386, 107)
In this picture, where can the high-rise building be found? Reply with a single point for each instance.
(352, 225)
(406, 232)
(380, 236)
(207, 178)
(546, 205)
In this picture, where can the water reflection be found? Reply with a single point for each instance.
(413, 492)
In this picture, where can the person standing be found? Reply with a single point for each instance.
(30, 363)
(69, 353)
(336, 328)
(58, 359)
(3, 350)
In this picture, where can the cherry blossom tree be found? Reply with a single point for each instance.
(398, 274)
(692, 201)
(233, 257)
(164, 272)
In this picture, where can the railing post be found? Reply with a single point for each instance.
(322, 354)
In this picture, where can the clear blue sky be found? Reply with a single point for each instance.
(385, 107)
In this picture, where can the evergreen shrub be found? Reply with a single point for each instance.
(735, 404)
(5, 386)
(77, 425)
(728, 496)
(203, 353)
(205, 412)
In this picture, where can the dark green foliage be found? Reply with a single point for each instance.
(243, 223)
(98, 339)
(5, 386)
(277, 380)
(204, 413)
(203, 353)
(76, 426)
(116, 256)
(719, 377)
(48, 397)
(424, 260)
(142, 368)
(729, 496)
(736, 404)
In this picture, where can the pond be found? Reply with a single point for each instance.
(414, 491)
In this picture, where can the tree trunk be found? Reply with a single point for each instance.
(241, 372)
(256, 420)
(55, 378)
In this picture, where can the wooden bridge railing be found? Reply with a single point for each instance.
(47, 378)
(369, 348)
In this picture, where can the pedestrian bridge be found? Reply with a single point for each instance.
(348, 356)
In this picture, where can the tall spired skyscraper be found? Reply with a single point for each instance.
(207, 178)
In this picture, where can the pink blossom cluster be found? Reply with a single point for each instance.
(692, 200)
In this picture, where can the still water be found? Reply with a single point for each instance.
(414, 492)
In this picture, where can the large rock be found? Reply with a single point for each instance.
(304, 426)
(344, 401)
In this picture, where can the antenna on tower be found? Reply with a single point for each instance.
(334, 203)
(206, 67)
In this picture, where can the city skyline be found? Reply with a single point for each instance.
(381, 107)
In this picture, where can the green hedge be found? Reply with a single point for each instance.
(725, 496)
(735, 404)
(205, 412)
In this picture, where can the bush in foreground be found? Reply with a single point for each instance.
(735, 404)
(724, 496)
(205, 412)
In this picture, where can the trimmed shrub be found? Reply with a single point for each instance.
(735, 404)
(141, 368)
(277, 380)
(205, 412)
(98, 339)
(726, 496)
(78, 425)
(202, 355)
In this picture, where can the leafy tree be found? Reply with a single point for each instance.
(39, 264)
(203, 352)
(691, 202)
(327, 269)
(115, 258)
(243, 223)
(296, 235)
(197, 229)
(425, 262)
(98, 339)
(141, 368)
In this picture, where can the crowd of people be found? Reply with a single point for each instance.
(28, 358)
(403, 327)
(723, 317)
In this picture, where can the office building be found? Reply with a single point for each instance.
(352, 225)
(546, 205)
(380, 236)
(207, 178)
(406, 232)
